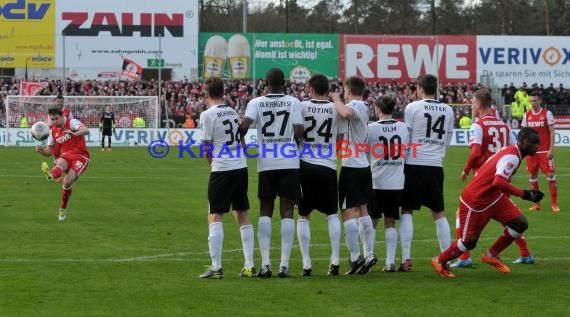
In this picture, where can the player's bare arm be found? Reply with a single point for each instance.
(207, 144)
(344, 111)
(298, 130)
(474, 155)
(44, 150)
(83, 130)
(243, 128)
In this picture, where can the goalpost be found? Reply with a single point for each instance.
(87, 109)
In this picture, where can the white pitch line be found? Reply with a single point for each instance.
(176, 256)
(167, 177)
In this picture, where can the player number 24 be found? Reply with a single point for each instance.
(323, 131)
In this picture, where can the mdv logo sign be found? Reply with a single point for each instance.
(20, 10)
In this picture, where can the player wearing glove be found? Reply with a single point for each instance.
(533, 195)
(107, 127)
(486, 197)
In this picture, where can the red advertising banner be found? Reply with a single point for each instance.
(562, 122)
(404, 58)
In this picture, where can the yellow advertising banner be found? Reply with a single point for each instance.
(27, 33)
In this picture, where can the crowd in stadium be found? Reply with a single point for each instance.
(184, 100)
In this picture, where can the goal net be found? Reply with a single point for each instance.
(88, 109)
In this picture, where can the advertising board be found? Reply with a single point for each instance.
(99, 34)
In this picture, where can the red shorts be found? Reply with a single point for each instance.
(539, 161)
(76, 162)
(472, 223)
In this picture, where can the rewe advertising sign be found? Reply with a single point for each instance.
(404, 58)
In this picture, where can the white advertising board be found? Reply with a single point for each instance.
(144, 137)
(99, 34)
(530, 59)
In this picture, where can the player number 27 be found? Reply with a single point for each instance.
(268, 123)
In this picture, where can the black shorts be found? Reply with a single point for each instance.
(423, 186)
(285, 182)
(354, 187)
(320, 190)
(228, 188)
(108, 132)
(385, 202)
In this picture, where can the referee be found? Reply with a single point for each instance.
(107, 127)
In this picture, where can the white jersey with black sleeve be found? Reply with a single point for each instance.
(321, 129)
(356, 133)
(275, 115)
(387, 140)
(430, 123)
(220, 126)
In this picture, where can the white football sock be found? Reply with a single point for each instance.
(351, 237)
(247, 245)
(215, 241)
(264, 239)
(443, 233)
(334, 236)
(287, 237)
(391, 245)
(406, 235)
(304, 237)
(366, 232)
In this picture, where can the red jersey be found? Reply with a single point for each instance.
(539, 122)
(67, 143)
(492, 135)
(480, 193)
(67, 114)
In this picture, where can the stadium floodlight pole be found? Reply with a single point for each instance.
(253, 71)
(157, 123)
(437, 67)
(63, 48)
(244, 16)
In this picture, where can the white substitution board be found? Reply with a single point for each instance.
(99, 34)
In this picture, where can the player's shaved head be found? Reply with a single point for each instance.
(275, 79)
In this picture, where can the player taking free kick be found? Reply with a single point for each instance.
(69, 135)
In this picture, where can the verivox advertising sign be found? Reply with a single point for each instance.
(27, 33)
(404, 58)
(235, 55)
(102, 33)
(530, 59)
(144, 137)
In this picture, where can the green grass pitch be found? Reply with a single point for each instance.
(136, 240)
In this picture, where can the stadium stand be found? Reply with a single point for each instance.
(183, 99)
